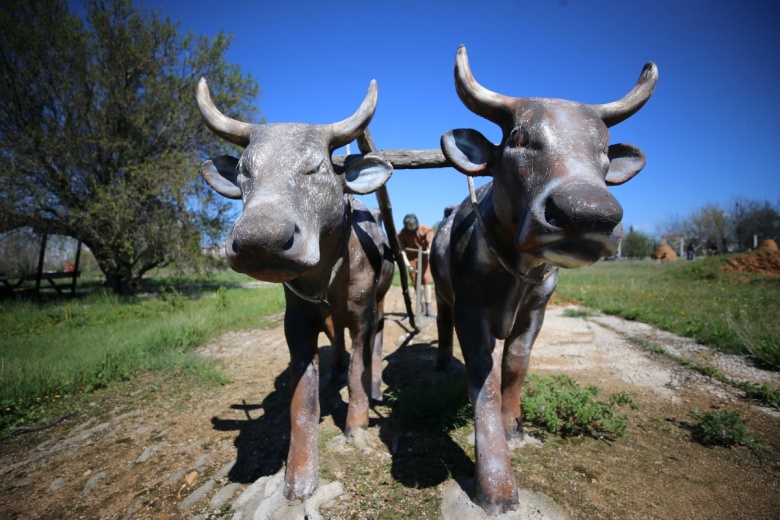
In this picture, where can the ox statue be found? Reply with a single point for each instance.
(495, 258)
(301, 226)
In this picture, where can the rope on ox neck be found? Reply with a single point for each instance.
(548, 270)
(321, 295)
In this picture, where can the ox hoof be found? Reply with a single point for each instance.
(515, 442)
(265, 499)
(456, 505)
(523, 441)
(366, 441)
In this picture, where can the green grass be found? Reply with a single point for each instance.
(735, 312)
(63, 347)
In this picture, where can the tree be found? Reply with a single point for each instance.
(712, 226)
(101, 136)
(636, 244)
(755, 218)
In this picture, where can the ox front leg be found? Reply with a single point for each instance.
(301, 476)
(517, 355)
(495, 486)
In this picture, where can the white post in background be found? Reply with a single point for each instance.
(755, 241)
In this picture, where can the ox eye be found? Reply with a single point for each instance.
(519, 137)
(317, 169)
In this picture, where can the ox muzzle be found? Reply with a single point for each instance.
(271, 249)
(572, 225)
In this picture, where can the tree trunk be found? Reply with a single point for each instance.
(120, 284)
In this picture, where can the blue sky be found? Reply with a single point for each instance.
(710, 131)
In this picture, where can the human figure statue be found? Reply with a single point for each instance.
(691, 252)
(414, 236)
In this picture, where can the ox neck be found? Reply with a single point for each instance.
(493, 244)
(322, 295)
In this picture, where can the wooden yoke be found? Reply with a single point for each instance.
(400, 160)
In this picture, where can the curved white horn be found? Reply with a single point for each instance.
(483, 102)
(228, 129)
(617, 111)
(347, 130)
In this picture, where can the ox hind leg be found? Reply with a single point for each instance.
(517, 355)
(376, 353)
(338, 360)
(444, 325)
(359, 378)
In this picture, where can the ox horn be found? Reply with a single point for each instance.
(483, 102)
(228, 129)
(346, 131)
(617, 111)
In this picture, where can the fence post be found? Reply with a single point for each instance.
(39, 274)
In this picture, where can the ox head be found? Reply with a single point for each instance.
(552, 168)
(293, 198)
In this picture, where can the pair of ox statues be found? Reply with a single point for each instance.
(495, 257)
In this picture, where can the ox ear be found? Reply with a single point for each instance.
(625, 161)
(221, 174)
(366, 175)
(468, 150)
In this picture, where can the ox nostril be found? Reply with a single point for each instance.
(287, 245)
(552, 215)
(234, 247)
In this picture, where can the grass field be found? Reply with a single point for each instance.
(53, 351)
(735, 312)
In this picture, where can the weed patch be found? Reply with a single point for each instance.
(578, 313)
(726, 428)
(559, 405)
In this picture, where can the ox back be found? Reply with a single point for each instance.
(301, 226)
(495, 258)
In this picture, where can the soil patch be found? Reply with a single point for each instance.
(762, 262)
(165, 448)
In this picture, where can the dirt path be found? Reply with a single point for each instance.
(173, 449)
